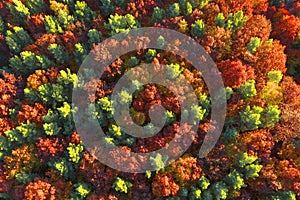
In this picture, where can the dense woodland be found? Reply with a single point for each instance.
(256, 47)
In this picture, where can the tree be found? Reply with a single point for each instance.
(63, 167)
(150, 55)
(21, 159)
(64, 19)
(83, 12)
(219, 190)
(235, 73)
(81, 191)
(95, 37)
(121, 24)
(163, 185)
(52, 25)
(270, 116)
(270, 57)
(220, 20)
(75, 152)
(247, 165)
(281, 194)
(247, 90)
(28, 62)
(80, 53)
(254, 43)
(173, 70)
(19, 12)
(157, 15)
(17, 39)
(235, 21)
(230, 133)
(36, 6)
(121, 186)
(3, 26)
(275, 76)
(59, 53)
(173, 10)
(198, 28)
(185, 170)
(107, 7)
(185, 7)
(235, 180)
(39, 189)
(250, 118)
(203, 183)
(23, 133)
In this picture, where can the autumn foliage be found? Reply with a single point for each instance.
(255, 45)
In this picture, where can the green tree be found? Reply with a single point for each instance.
(195, 193)
(252, 170)
(219, 190)
(107, 7)
(158, 162)
(59, 53)
(121, 186)
(133, 61)
(250, 118)
(121, 24)
(36, 6)
(3, 26)
(281, 194)
(203, 3)
(270, 116)
(235, 180)
(173, 10)
(195, 3)
(81, 191)
(75, 152)
(83, 12)
(4, 146)
(203, 183)
(185, 7)
(157, 15)
(254, 43)
(230, 133)
(63, 167)
(80, 53)
(198, 28)
(196, 113)
(64, 19)
(229, 92)
(22, 133)
(52, 25)
(24, 177)
(18, 11)
(247, 165)
(173, 70)
(17, 39)
(235, 21)
(220, 20)
(161, 42)
(275, 76)
(28, 62)
(95, 37)
(150, 55)
(52, 128)
(247, 90)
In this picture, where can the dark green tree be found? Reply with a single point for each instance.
(173, 10)
(18, 11)
(198, 28)
(17, 39)
(157, 15)
(36, 6)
